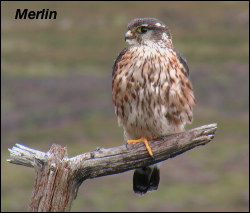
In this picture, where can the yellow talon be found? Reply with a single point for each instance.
(145, 141)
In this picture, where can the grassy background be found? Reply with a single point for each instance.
(56, 88)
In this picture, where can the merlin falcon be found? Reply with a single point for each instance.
(151, 91)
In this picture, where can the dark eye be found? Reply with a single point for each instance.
(142, 30)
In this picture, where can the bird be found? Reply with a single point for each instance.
(151, 91)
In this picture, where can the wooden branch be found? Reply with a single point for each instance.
(59, 177)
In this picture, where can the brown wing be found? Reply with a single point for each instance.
(183, 61)
(119, 94)
(115, 66)
(180, 97)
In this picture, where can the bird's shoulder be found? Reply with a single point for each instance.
(125, 51)
(182, 60)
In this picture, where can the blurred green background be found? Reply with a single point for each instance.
(56, 88)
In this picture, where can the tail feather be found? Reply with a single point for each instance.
(146, 179)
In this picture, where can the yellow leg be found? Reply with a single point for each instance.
(145, 141)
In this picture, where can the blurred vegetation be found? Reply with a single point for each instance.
(56, 88)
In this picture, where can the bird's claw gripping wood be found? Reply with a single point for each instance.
(145, 141)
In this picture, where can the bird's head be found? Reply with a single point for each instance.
(145, 30)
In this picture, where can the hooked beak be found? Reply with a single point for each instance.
(129, 36)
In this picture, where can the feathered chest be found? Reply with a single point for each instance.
(144, 72)
(147, 81)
